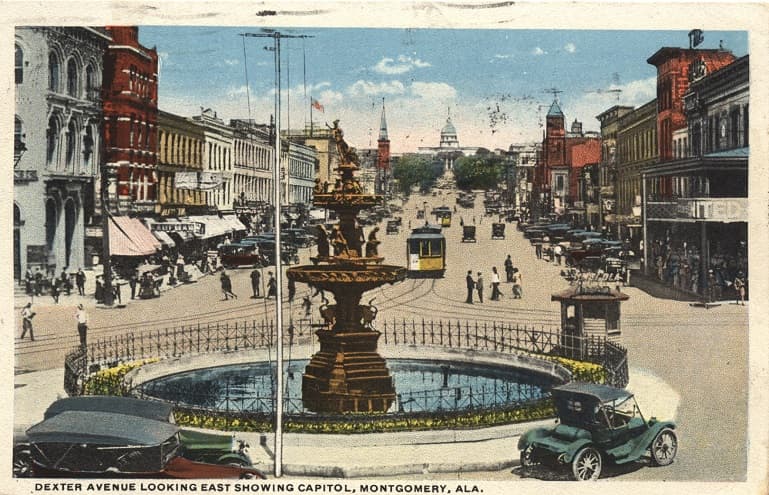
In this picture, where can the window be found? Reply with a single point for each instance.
(734, 131)
(90, 83)
(72, 82)
(53, 72)
(19, 63)
(18, 138)
(87, 146)
(52, 139)
(745, 128)
(71, 139)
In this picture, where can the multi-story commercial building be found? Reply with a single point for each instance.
(57, 132)
(300, 161)
(254, 159)
(327, 157)
(130, 122)
(180, 150)
(608, 169)
(217, 158)
(524, 160)
(636, 149)
(696, 207)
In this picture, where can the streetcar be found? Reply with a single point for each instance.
(443, 216)
(426, 252)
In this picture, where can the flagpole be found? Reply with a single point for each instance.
(311, 102)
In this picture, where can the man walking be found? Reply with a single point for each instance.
(479, 286)
(226, 286)
(82, 324)
(132, 283)
(470, 286)
(26, 322)
(80, 281)
(538, 250)
(272, 287)
(517, 284)
(256, 277)
(509, 268)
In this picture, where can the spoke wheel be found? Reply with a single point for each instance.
(664, 447)
(586, 465)
(22, 464)
(527, 458)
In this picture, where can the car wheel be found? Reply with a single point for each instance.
(22, 463)
(664, 447)
(527, 458)
(586, 465)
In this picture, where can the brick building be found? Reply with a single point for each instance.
(180, 150)
(130, 122)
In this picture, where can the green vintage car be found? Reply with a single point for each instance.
(597, 424)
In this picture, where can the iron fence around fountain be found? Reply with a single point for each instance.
(503, 337)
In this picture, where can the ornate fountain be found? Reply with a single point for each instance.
(347, 374)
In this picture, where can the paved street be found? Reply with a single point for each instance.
(700, 354)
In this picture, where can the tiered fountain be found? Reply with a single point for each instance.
(347, 374)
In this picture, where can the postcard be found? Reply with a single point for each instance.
(385, 247)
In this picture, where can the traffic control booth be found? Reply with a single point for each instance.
(590, 314)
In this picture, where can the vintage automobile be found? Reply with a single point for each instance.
(241, 253)
(597, 424)
(468, 233)
(498, 231)
(194, 445)
(393, 226)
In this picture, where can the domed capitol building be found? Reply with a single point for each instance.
(448, 150)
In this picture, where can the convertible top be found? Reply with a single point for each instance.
(150, 409)
(603, 393)
(101, 428)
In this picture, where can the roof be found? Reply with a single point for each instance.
(603, 393)
(101, 428)
(590, 294)
(149, 409)
(555, 110)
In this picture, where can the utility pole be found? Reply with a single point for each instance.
(277, 36)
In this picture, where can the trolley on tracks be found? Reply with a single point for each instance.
(426, 252)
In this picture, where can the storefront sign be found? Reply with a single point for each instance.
(703, 209)
(197, 228)
(25, 176)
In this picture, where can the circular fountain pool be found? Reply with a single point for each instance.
(421, 386)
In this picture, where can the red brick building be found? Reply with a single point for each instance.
(130, 104)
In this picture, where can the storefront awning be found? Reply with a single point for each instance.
(215, 226)
(163, 237)
(129, 237)
(234, 223)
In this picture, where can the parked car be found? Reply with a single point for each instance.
(96, 422)
(597, 424)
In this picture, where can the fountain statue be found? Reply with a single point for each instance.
(347, 374)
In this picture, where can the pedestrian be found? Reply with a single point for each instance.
(272, 287)
(116, 293)
(132, 283)
(470, 286)
(26, 322)
(479, 286)
(256, 277)
(80, 281)
(558, 252)
(509, 268)
(82, 324)
(291, 290)
(65, 283)
(517, 284)
(307, 305)
(538, 250)
(712, 283)
(226, 286)
(55, 290)
(739, 286)
(495, 284)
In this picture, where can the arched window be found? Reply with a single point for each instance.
(52, 139)
(87, 147)
(71, 143)
(72, 79)
(90, 83)
(53, 72)
(19, 65)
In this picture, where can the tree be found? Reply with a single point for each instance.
(416, 170)
(479, 171)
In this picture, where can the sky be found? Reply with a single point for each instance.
(494, 83)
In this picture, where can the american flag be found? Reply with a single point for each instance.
(316, 105)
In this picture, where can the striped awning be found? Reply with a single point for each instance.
(129, 237)
(234, 223)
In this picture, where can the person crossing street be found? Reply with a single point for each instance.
(470, 287)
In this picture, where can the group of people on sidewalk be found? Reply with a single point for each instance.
(512, 275)
(256, 277)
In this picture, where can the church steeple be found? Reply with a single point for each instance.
(383, 125)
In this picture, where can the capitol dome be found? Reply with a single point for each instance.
(449, 135)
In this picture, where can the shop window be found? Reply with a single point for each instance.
(19, 65)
